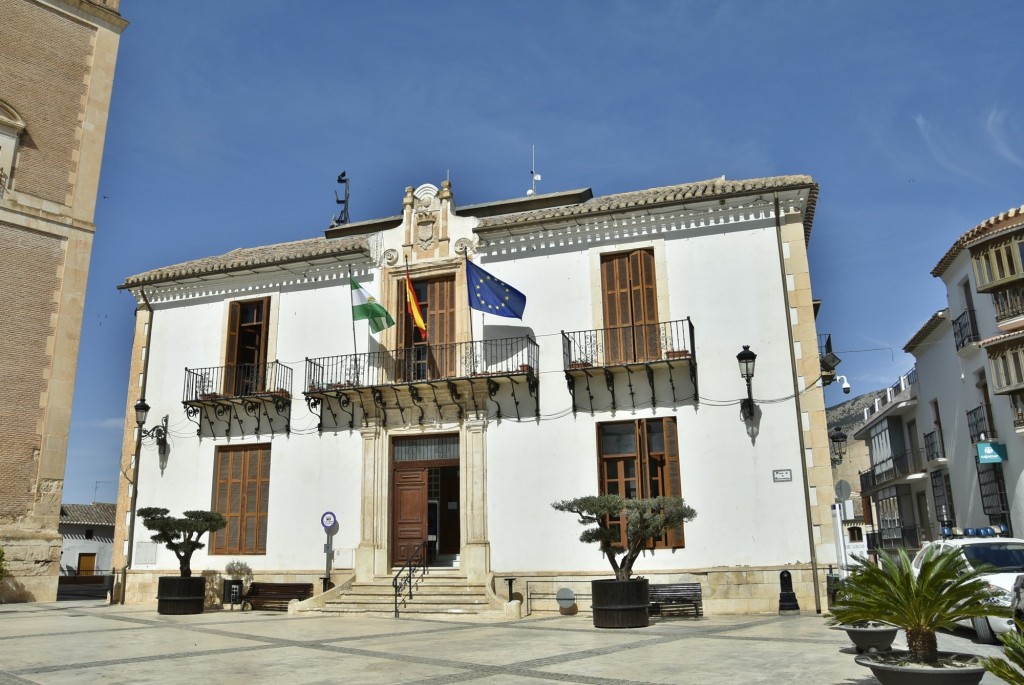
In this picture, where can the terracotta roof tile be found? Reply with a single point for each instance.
(717, 187)
(252, 258)
(991, 225)
(95, 514)
(929, 327)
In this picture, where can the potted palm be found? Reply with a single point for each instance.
(944, 591)
(623, 602)
(181, 594)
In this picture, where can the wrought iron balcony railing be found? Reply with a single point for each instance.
(977, 425)
(239, 381)
(933, 446)
(634, 344)
(426, 363)
(965, 329)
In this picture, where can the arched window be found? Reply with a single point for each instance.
(11, 126)
(856, 534)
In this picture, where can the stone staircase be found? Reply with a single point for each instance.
(440, 591)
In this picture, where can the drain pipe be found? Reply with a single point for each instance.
(799, 414)
(138, 451)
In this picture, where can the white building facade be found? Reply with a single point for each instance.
(621, 376)
(964, 414)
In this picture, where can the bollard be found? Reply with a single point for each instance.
(510, 581)
(787, 598)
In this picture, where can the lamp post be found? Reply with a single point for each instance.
(159, 433)
(746, 360)
(838, 440)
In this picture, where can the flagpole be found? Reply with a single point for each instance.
(351, 307)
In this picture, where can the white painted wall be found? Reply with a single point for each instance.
(726, 278)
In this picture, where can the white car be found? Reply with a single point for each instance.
(1004, 555)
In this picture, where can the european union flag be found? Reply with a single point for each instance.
(491, 295)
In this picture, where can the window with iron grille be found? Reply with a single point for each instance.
(241, 491)
(942, 496)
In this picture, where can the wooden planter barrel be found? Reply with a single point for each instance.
(177, 595)
(620, 603)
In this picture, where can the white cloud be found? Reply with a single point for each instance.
(939, 149)
(996, 126)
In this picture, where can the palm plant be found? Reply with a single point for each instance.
(945, 590)
(1013, 648)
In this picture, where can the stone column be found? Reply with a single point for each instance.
(476, 548)
(372, 553)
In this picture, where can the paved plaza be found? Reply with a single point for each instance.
(86, 641)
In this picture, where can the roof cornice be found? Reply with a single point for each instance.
(990, 225)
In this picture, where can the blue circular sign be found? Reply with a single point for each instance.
(328, 519)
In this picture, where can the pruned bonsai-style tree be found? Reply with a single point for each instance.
(646, 520)
(181, 535)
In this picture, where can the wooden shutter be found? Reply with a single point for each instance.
(615, 294)
(630, 299)
(241, 492)
(673, 480)
(644, 306)
(440, 320)
(866, 508)
(231, 353)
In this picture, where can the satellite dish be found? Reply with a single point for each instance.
(843, 491)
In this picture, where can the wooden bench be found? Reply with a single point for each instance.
(275, 596)
(676, 596)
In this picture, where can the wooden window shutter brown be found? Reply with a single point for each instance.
(673, 480)
(615, 295)
(231, 353)
(866, 506)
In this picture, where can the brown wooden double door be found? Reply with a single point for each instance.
(424, 508)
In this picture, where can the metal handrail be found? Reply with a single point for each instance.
(495, 357)
(409, 568)
(632, 344)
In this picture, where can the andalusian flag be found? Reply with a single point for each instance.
(365, 307)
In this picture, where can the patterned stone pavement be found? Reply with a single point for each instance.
(86, 641)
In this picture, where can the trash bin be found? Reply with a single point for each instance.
(832, 585)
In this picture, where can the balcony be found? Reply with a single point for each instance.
(933, 449)
(965, 330)
(977, 425)
(253, 396)
(457, 378)
(1009, 304)
(890, 469)
(893, 393)
(629, 352)
(905, 537)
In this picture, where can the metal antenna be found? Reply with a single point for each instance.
(342, 217)
(534, 176)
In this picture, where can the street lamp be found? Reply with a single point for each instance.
(838, 440)
(746, 360)
(159, 433)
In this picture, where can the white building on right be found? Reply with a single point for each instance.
(957, 431)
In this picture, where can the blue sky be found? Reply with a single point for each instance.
(230, 121)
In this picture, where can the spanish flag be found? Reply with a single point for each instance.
(414, 305)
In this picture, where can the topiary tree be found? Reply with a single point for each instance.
(646, 520)
(181, 535)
